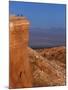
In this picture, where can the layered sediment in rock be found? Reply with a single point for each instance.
(47, 72)
(20, 70)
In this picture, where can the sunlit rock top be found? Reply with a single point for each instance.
(18, 20)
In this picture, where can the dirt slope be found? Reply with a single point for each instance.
(55, 53)
(46, 72)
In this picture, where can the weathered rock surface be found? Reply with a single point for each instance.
(46, 72)
(20, 69)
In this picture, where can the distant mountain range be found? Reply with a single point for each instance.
(41, 38)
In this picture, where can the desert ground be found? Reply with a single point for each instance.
(48, 66)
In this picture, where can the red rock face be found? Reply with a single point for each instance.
(20, 70)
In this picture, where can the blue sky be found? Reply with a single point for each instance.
(47, 22)
(40, 15)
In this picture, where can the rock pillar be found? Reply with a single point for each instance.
(20, 71)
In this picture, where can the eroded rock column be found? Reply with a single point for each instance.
(20, 69)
